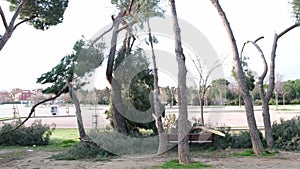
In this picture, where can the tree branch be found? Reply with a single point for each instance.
(16, 14)
(3, 18)
(259, 39)
(25, 20)
(288, 29)
(273, 55)
(41, 102)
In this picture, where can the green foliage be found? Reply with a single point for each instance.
(36, 134)
(219, 88)
(84, 59)
(83, 151)
(293, 88)
(42, 13)
(287, 134)
(175, 164)
(125, 144)
(296, 9)
(240, 140)
(136, 80)
(171, 92)
(248, 74)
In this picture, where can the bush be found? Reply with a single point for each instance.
(287, 134)
(240, 140)
(83, 150)
(36, 134)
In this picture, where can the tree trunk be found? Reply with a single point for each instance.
(117, 107)
(183, 126)
(254, 133)
(267, 124)
(5, 38)
(283, 101)
(162, 135)
(201, 110)
(75, 100)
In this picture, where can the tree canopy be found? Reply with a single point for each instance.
(83, 60)
(41, 14)
(296, 9)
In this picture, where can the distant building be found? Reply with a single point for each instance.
(25, 95)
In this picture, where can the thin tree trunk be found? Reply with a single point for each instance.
(163, 142)
(75, 100)
(254, 133)
(201, 110)
(183, 129)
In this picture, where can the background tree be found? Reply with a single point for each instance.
(163, 142)
(69, 75)
(254, 133)
(293, 97)
(203, 78)
(171, 92)
(183, 126)
(249, 75)
(41, 14)
(280, 89)
(218, 90)
(135, 99)
(296, 9)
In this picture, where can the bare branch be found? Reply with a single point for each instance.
(99, 37)
(288, 29)
(3, 18)
(41, 102)
(259, 39)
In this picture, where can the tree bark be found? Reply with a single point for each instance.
(117, 107)
(82, 133)
(201, 110)
(183, 126)
(9, 29)
(162, 135)
(254, 133)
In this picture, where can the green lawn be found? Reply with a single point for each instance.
(65, 134)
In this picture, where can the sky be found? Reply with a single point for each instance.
(31, 52)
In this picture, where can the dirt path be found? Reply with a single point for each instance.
(38, 159)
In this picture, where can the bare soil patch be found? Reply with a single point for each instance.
(39, 159)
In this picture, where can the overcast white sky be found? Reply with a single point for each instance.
(30, 52)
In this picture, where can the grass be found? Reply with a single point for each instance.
(249, 153)
(62, 138)
(174, 164)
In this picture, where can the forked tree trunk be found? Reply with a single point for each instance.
(162, 135)
(266, 96)
(118, 119)
(254, 133)
(75, 100)
(183, 126)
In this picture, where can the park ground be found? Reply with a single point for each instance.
(35, 158)
(39, 157)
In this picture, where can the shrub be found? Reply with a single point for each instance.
(36, 134)
(240, 140)
(83, 150)
(287, 134)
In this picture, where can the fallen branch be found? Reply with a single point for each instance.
(63, 90)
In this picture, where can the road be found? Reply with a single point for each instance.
(232, 116)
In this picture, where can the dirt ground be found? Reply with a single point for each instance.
(39, 159)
